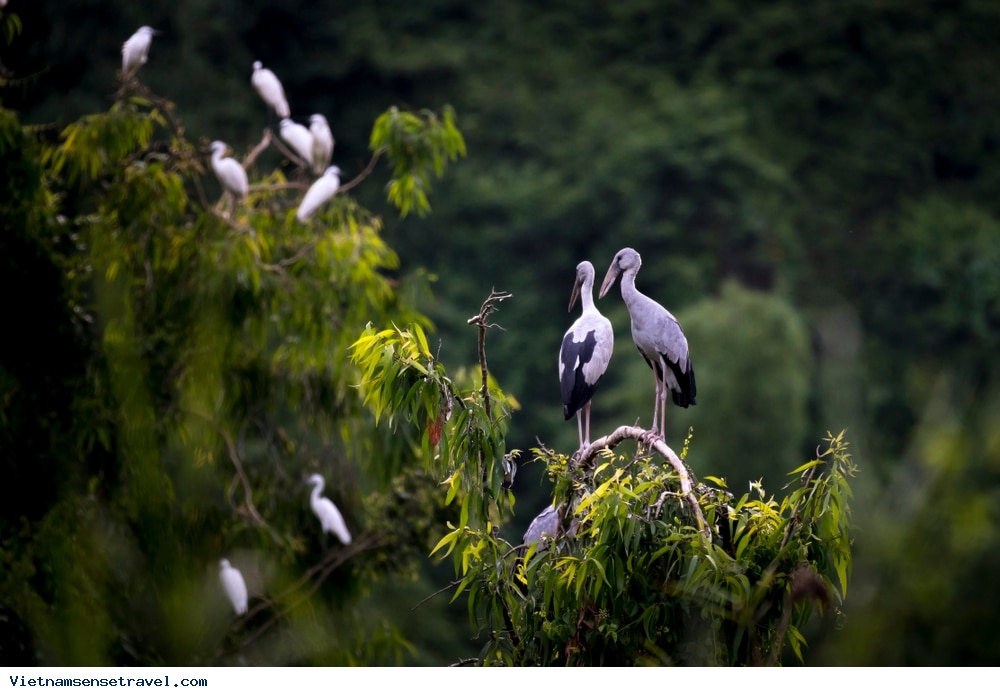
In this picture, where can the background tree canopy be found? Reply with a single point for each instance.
(813, 191)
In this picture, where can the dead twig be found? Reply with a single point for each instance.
(481, 320)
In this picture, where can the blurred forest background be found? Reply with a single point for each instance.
(813, 189)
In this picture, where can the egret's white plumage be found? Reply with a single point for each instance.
(234, 585)
(269, 87)
(231, 174)
(322, 150)
(299, 138)
(319, 193)
(585, 352)
(657, 335)
(135, 49)
(328, 514)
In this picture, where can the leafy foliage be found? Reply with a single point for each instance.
(213, 380)
(643, 568)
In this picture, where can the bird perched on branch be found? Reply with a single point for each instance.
(269, 87)
(585, 353)
(322, 145)
(230, 173)
(322, 190)
(329, 515)
(657, 335)
(135, 49)
(234, 586)
(544, 525)
(299, 138)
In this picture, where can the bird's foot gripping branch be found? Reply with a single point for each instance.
(635, 561)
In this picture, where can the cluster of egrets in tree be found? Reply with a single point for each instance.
(331, 521)
(313, 146)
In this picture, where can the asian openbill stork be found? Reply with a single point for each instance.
(585, 353)
(657, 335)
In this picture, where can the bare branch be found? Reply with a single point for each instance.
(436, 593)
(464, 662)
(257, 149)
(480, 320)
(364, 173)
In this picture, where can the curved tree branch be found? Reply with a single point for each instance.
(587, 456)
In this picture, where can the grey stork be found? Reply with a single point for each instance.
(544, 525)
(585, 352)
(657, 335)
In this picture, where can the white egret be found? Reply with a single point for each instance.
(269, 87)
(328, 514)
(234, 585)
(658, 336)
(585, 352)
(322, 142)
(299, 137)
(230, 173)
(319, 193)
(134, 50)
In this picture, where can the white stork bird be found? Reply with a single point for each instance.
(230, 173)
(234, 586)
(328, 514)
(322, 150)
(321, 191)
(299, 138)
(657, 335)
(135, 49)
(269, 87)
(585, 353)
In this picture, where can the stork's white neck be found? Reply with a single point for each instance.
(587, 295)
(630, 294)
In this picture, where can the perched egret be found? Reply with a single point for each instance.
(328, 514)
(585, 353)
(319, 193)
(234, 585)
(230, 172)
(657, 335)
(322, 150)
(135, 49)
(269, 88)
(299, 137)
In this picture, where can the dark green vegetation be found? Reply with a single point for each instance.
(813, 190)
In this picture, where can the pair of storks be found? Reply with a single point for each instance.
(587, 346)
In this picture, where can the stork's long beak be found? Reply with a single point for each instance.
(575, 294)
(609, 279)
